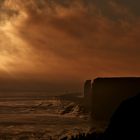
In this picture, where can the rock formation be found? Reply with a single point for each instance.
(108, 93)
(87, 88)
(124, 123)
(88, 94)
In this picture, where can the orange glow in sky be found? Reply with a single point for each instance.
(71, 41)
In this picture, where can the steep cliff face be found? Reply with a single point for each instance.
(108, 93)
(87, 88)
(88, 94)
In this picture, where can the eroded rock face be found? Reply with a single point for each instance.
(108, 93)
(87, 88)
(88, 94)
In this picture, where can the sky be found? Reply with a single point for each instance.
(55, 45)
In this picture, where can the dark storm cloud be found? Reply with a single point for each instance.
(78, 23)
(133, 5)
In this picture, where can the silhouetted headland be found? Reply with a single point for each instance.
(124, 123)
(105, 94)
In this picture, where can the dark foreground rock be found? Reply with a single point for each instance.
(83, 136)
(124, 124)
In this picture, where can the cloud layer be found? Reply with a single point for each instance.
(69, 41)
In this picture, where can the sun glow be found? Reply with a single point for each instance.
(4, 63)
(13, 49)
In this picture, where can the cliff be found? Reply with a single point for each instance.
(108, 93)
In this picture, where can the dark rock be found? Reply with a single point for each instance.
(108, 93)
(87, 88)
(125, 123)
(88, 94)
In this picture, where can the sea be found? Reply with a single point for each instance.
(37, 116)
